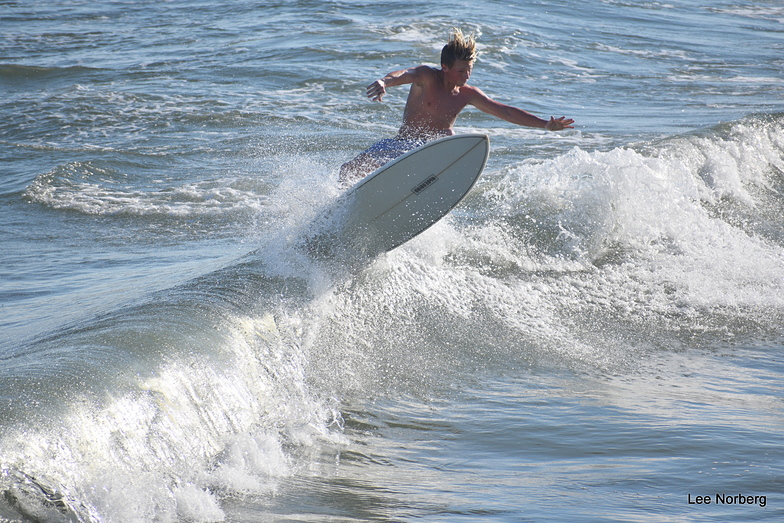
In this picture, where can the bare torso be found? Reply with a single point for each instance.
(433, 106)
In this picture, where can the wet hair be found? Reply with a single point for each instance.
(459, 47)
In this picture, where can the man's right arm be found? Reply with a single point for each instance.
(377, 89)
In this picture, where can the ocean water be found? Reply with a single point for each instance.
(595, 334)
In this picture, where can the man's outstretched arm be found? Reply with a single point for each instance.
(517, 116)
(377, 89)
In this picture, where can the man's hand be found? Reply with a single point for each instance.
(376, 90)
(559, 124)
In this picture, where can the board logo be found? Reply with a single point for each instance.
(424, 185)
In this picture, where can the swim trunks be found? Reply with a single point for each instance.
(388, 149)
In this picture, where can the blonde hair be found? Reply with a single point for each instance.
(459, 47)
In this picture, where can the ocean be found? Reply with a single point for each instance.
(595, 334)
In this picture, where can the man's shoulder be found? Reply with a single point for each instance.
(425, 71)
(474, 93)
(471, 92)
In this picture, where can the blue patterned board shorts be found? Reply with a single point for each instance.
(388, 149)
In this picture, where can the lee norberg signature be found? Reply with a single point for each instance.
(728, 499)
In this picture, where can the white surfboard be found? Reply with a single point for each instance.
(400, 199)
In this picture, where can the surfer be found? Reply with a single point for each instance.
(435, 99)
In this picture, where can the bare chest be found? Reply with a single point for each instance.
(438, 103)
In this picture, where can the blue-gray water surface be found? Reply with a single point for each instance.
(595, 334)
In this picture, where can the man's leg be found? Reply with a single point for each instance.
(358, 168)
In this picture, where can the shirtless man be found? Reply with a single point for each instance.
(435, 99)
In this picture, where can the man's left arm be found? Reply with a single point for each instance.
(517, 116)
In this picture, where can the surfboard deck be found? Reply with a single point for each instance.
(401, 199)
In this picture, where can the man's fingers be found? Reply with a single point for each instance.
(375, 92)
(560, 123)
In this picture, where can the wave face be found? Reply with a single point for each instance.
(227, 384)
